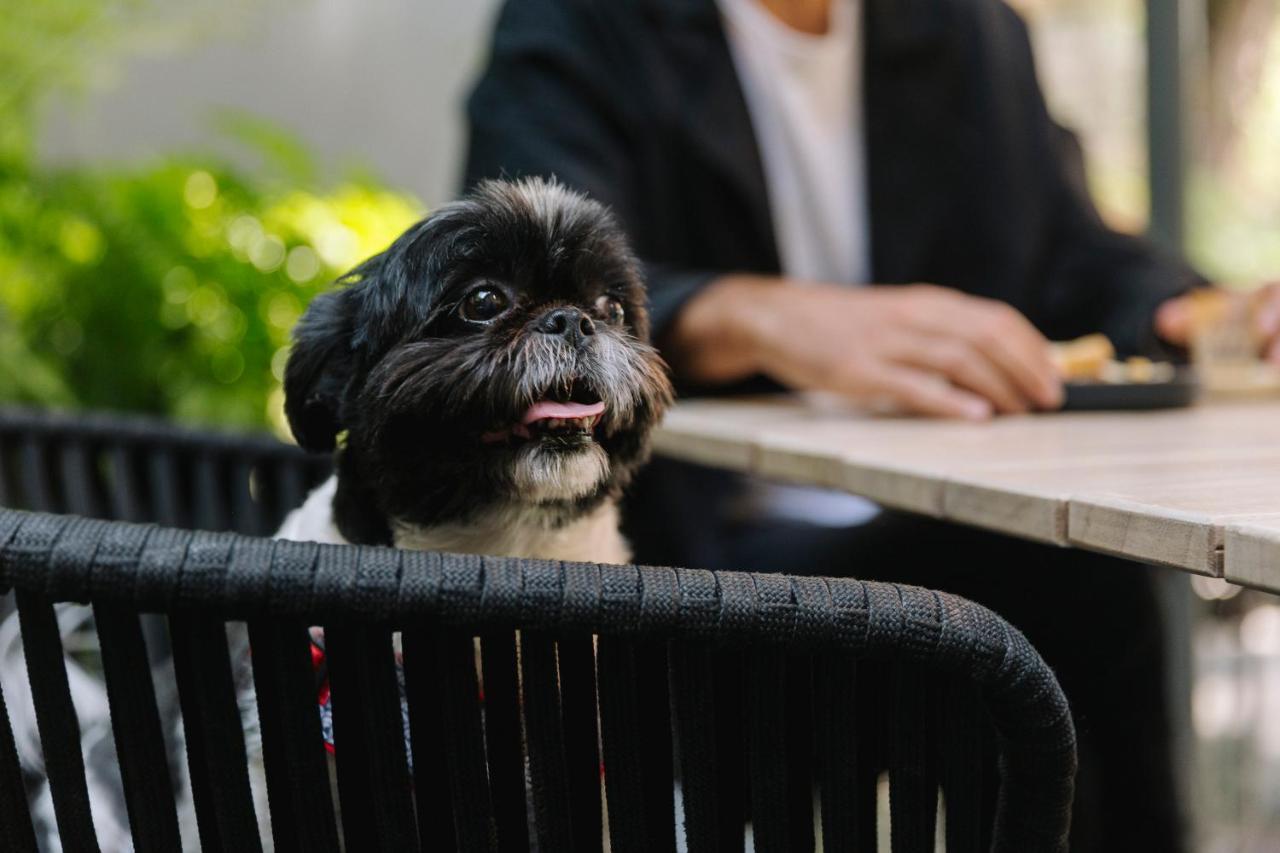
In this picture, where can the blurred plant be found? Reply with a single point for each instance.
(1235, 190)
(170, 289)
(167, 288)
(1091, 56)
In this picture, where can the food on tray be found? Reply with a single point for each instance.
(1225, 346)
(1083, 358)
(1093, 359)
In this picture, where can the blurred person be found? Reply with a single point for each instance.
(866, 197)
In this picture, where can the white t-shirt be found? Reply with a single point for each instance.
(804, 96)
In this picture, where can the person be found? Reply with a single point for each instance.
(866, 197)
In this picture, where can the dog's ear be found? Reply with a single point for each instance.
(319, 369)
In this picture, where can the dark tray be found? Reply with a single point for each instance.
(1180, 391)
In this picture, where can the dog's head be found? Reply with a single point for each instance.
(496, 354)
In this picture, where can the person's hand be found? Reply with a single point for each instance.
(920, 349)
(1176, 319)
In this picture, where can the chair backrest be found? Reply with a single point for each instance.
(546, 706)
(139, 469)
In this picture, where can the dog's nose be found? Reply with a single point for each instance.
(569, 323)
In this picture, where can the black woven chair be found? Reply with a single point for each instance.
(763, 695)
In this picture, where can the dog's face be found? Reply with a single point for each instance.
(495, 355)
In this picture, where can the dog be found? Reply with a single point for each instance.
(487, 382)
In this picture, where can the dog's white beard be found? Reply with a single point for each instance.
(540, 476)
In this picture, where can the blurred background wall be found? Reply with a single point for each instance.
(1092, 62)
(374, 84)
(378, 84)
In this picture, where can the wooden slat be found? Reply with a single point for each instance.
(721, 434)
(1032, 499)
(1251, 551)
(1161, 486)
(1180, 526)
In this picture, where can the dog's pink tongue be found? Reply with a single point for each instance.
(550, 409)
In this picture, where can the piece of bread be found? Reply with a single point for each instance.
(1083, 358)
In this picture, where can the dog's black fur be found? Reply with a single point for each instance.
(390, 360)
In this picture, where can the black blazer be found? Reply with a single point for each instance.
(971, 184)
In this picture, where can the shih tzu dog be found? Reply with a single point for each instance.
(487, 382)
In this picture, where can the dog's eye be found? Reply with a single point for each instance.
(610, 310)
(483, 304)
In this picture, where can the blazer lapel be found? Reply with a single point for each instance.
(910, 108)
(713, 112)
(909, 105)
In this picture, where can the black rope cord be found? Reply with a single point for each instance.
(293, 753)
(548, 774)
(140, 742)
(581, 738)
(432, 791)
(620, 726)
(216, 755)
(368, 732)
(503, 740)
(16, 831)
(56, 719)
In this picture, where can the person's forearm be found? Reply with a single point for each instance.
(717, 337)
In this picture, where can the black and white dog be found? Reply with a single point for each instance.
(487, 382)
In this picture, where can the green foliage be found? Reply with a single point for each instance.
(170, 289)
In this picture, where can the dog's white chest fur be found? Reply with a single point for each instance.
(505, 532)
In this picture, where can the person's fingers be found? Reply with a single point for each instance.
(1273, 352)
(1027, 362)
(924, 393)
(1027, 356)
(1266, 318)
(967, 368)
(1174, 321)
(1009, 341)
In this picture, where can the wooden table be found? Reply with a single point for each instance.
(1197, 488)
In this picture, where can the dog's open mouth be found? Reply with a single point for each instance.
(569, 415)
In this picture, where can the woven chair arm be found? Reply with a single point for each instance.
(149, 568)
